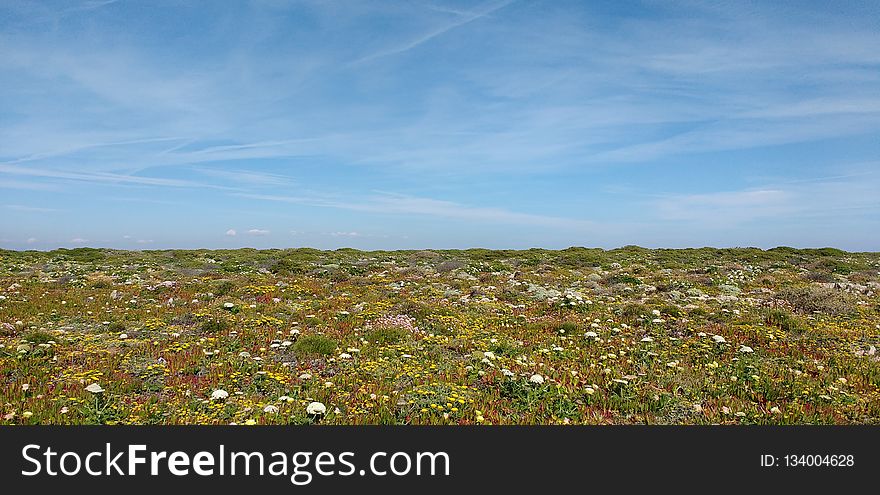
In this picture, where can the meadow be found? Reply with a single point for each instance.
(577, 336)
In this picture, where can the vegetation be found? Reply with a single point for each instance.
(577, 336)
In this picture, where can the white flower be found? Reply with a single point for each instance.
(647, 339)
(123, 336)
(94, 388)
(345, 355)
(506, 372)
(270, 409)
(25, 387)
(316, 408)
(219, 394)
(305, 376)
(591, 334)
(537, 379)
(775, 410)
(228, 305)
(285, 398)
(590, 390)
(489, 355)
(718, 339)
(655, 312)
(746, 349)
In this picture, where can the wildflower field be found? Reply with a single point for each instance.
(578, 336)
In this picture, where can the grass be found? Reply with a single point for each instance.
(314, 345)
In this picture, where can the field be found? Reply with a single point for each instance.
(578, 336)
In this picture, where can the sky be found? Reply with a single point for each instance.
(434, 124)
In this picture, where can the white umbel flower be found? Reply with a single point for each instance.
(95, 389)
(219, 394)
(537, 379)
(270, 409)
(316, 408)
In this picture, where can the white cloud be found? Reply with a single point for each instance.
(463, 18)
(724, 207)
(259, 232)
(392, 203)
(79, 240)
(231, 233)
(31, 240)
(33, 209)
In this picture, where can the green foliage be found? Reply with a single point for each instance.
(386, 334)
(38, 337)
(116, 327)
(622, 279)
(819, 299)
(314, 345)
(785, 321)
(223, 287)
(214, 325)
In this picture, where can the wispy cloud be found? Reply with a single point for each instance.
(99, 177)
(259, 232)
(462, 18)
(784, 201)
(724, 208)
(32, 209)
(247, 177)
(400, 204)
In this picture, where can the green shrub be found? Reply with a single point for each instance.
(312, 345)
(786, 321)
(386, 334)
(223, 288)
(671, 310)
(38, 337)
(822, 299)
(569, 327)
(633, 311)
(622, 279)
(116, 327)
(214, 326)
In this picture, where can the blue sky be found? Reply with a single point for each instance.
(433, 124)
